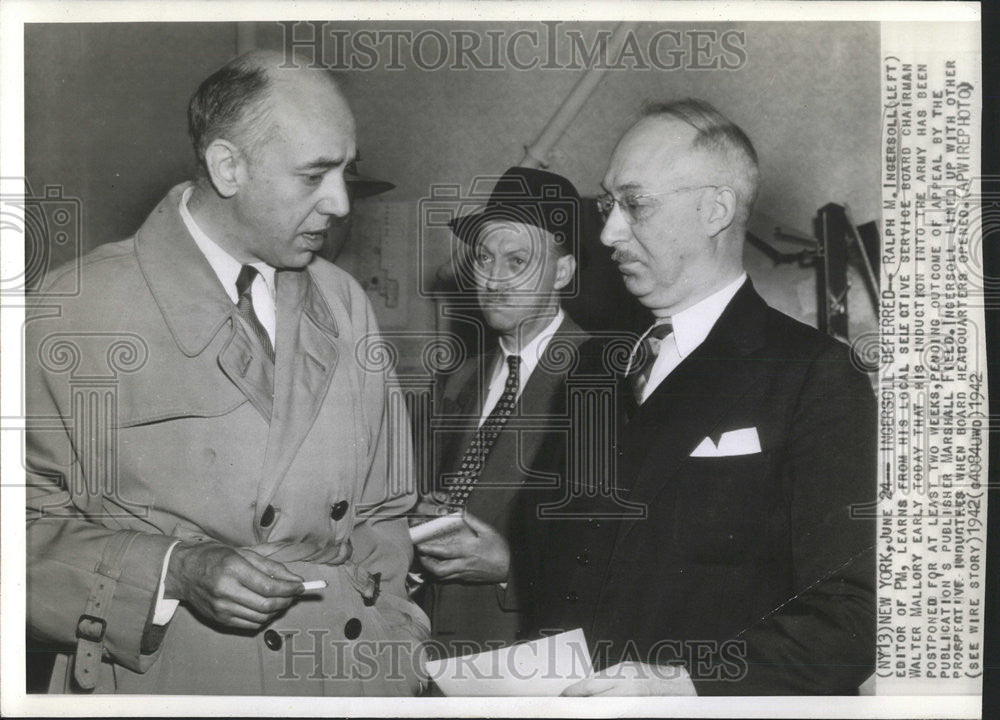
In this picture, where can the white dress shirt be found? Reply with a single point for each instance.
(530, 355)
(227, 268)
(691, 327)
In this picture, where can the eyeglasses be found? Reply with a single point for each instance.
(629, 205)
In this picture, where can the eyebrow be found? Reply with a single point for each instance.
(322, 163)
(627, 187)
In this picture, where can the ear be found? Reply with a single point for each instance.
(565, 267)
(225, 166)
(720, 211)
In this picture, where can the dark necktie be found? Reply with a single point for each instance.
(244, 306)
(650, 348)
(484, 439)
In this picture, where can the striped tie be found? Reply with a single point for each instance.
(481, 445)
(650, 344)
(244, 306)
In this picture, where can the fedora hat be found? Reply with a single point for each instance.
(532, 197)
(362, 186)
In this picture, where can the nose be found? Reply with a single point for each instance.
(334, 200)
(494, 278)
(615, 228)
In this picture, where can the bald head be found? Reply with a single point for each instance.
(683, 180)
(236, 103)
(720, 145)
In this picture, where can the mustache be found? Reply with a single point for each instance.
(508, 297)
(621, 255)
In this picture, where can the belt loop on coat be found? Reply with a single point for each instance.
(92, 625)
(368, 585)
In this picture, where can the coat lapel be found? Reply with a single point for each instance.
(458, 416)
(306, 356)
(193, 302)
(691, 403)
(541, 403)
(186, 289)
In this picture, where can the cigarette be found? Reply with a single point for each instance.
(314, 585)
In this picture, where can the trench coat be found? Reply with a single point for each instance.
(153, 420)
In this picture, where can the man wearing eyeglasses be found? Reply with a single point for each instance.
(746, 437)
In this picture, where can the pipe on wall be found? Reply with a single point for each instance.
(536, 155)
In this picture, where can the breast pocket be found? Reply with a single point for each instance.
(722, 507)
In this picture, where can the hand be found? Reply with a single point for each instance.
(475, 553)
(634, 678)
(235, 588)
(429, 507)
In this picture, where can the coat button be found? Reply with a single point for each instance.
(338, 510)
(583, 558)
(272, 639)
(352, 629)
(571, 597)
(267, 517)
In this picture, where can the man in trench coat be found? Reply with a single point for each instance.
(206, 438)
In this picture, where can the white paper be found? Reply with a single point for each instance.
(436, 528)
(542, 667)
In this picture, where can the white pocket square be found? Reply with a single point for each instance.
(735, 442)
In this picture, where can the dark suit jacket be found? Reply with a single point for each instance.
(528, 454)
(748, 569)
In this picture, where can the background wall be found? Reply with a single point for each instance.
(105, 119)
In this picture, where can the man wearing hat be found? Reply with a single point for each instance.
(523, 259)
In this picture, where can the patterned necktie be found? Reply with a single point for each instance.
(650, 345)
(484, 439)
(244, 306)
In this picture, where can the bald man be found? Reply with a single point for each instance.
(221, 515)
(746, 440)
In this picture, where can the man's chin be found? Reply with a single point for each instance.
(297, 261)
(496, 319)
(636, 285)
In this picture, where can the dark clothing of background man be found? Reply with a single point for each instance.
(746, 443)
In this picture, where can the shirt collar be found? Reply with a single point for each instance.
(532, 352)
(226, 267)
(692, 325)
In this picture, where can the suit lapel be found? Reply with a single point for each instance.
(541, 402)
(692, 401)
(306, 356)
(463, 410)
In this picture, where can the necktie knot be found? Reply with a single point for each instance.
(642, 362)
(513, 363)
(648, 348)
(244, 306)
(661, 330)
(244, 281)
